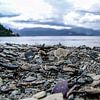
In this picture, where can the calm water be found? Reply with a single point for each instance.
(52, 40)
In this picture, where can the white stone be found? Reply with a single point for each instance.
(29, 99)
(60, 53)
(40, 95)
(57, 96)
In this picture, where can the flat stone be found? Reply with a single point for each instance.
(25, 66)
(9, 66)
(57, 96)
(29, 99)
(96, 78)
(1, 81)
(30, 79)
(60, 53)
(69, 69)
(40, 95)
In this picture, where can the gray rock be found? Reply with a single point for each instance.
(9, 66)
(29, 55)
(61, 53)
(29, 79)
(1, 81)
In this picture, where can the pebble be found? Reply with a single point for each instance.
(29, 55)
(57, 96)
(1, 81)
(40, 95)
(9, 66)
(29, 79)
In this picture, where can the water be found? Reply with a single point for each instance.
(52, 40)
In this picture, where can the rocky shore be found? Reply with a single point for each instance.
(30, 72)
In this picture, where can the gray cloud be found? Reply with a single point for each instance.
(60, 7)
(8, 15)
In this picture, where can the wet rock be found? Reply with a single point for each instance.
(9, 66)
(61, 87)
(8, 87)
(98, 70)
(1, 49)
(47, 67)
(29, 79)
(85, 80)
(57, 96)
(71, 97)
(40, 95)
(38, 59)
(29, 55)
(96, 49)
(25, 66)
(2, 55)
(14, 94)
(1, 81)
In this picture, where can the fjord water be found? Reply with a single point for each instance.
(53, 40)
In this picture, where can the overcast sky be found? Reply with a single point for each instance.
(41, 13)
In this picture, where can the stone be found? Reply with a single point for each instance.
(57, 96)
(40, 95)
(60, 53)
(1, 81)
(85, 80)
(29, 79)
(29, 55)
(69, 69)
(61, 87)
(71, 97)
(96, 77)
(98, 70)
(38, 59)
(9, 66)
(47, 67)
(29, 99)
(25, 66)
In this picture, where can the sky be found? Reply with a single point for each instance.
(57, 14)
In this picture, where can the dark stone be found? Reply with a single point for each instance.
(84, 80)
(29, 55)
(9, 66)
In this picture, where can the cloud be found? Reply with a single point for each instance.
(36, 9)
(8, 15)
(85, 14)
(63, 12)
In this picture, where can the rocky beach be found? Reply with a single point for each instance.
(40, 72)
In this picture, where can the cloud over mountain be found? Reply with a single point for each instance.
(82, 13)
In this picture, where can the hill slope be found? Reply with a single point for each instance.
(6, 32)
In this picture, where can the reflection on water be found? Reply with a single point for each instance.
(52, 40)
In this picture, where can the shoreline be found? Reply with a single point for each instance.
(37, 72)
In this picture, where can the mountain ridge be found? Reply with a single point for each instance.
(78, 31)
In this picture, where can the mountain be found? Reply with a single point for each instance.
(6, 32)
(78, 31)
